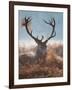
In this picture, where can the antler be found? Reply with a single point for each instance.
(52, 24)
(25, 23)
(40, 42)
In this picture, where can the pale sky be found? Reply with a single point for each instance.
(39, 27)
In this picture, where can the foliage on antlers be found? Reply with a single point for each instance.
(40, 41)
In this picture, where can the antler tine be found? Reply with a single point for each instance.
(28, 19)
(25, 18)
(46, 21)
(52, 24)
(42, 38)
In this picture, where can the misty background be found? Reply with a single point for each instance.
(39, 27)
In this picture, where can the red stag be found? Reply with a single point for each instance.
(42, 45)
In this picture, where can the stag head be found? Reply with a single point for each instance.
(40, 42)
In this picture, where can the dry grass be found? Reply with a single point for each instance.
(49, 65)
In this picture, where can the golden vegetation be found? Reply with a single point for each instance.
(48, 65)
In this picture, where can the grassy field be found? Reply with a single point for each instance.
(48, 65)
